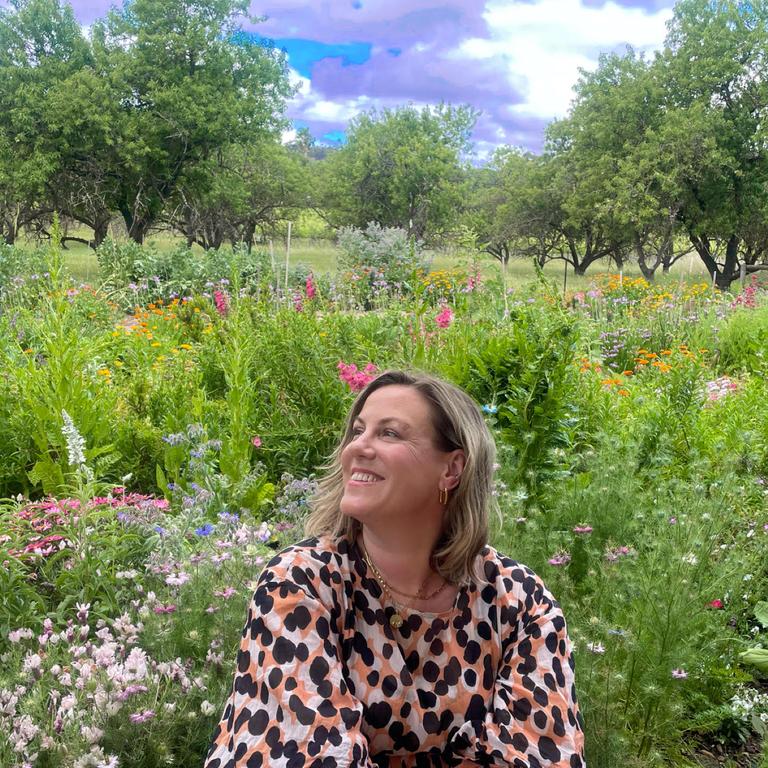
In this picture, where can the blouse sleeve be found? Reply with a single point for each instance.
(534, 721)
(290, 705)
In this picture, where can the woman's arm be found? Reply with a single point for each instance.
(289, 699)
(534, 721)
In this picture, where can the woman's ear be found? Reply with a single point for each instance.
(453, 469)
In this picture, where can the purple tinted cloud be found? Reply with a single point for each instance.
(398, 23)
(427, 66)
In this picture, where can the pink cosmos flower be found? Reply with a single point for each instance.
(256, 441)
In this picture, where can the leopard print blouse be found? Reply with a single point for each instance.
(324, 681)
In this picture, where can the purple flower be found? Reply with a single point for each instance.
(142, 717)
(204, 530)
(561, 558)
(583, 529)
(679, 674)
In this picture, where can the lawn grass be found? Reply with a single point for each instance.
(322, 255)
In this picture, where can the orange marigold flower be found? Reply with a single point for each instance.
(623, 392)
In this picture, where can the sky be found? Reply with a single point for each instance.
(514, 60)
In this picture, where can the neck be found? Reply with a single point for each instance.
(404, 560)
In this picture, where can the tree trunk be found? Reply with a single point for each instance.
(723, 277)
(648, 272)
(100, 231)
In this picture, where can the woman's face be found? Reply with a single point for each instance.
(391, 468)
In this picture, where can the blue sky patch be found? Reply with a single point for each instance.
(335, 137)
(304, 54)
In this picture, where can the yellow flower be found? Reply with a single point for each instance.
(185, 346)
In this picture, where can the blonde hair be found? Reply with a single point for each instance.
(458, 424)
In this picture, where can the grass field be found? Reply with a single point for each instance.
(321, 256)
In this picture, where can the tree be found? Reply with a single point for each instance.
(41, 48)
(185, 83)
(235, 191)
(711, 149)
(400, 168)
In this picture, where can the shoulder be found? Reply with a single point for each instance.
(313, 564)
(513, 583)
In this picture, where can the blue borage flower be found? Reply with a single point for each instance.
(204, 530)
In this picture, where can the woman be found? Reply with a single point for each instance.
(396, 637)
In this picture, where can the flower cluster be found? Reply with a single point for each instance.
(444, 317)
(720, 388)
(356, 380)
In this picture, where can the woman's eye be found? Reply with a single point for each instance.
(389, 433)
(357, 431)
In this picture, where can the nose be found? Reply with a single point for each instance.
(360, 445)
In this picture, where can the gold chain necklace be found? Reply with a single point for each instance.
(396, 620)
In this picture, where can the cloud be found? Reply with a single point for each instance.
(516, 60)
(548, 41)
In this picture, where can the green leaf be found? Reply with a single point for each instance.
(761, 613)
(162, 481)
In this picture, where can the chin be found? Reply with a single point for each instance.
(358, 511)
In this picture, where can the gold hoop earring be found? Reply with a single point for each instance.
(444, 496)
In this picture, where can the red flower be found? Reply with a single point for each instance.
(717, 604)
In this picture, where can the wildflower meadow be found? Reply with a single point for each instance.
(162, 431)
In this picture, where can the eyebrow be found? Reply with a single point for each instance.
(387, 420)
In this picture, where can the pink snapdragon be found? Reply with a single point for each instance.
(356, 380)
(221, 302)
(445, 317)
(310, 289)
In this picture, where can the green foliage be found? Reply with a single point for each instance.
(399, 168)
(380, 258)
(637, 494)
(524, 373)
(742, 342)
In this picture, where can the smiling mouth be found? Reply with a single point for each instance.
(364, 477)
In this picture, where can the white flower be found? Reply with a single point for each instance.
(75, 441)
(32, 663)
(598, 648)
(690, 559)
(207, 708)
(91, 734)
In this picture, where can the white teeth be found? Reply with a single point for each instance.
(363, 477)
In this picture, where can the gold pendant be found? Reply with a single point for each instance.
(396, 620)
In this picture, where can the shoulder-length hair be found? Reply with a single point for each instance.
(458, 424)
